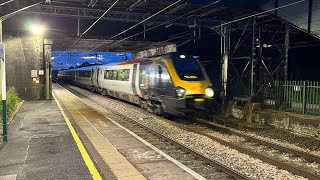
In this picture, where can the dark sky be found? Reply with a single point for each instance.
(305, 63)
(304, 58)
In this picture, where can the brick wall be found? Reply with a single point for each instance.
(24, 54)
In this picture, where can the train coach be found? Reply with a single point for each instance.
(173, 84)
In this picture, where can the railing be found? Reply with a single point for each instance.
(296, 96)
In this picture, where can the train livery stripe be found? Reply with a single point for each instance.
(90, 165)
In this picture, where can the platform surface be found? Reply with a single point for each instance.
(40, 146)
(124, 155)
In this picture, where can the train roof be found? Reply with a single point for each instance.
(126, 62)
(81, 68)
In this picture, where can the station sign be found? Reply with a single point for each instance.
(156, 51)
(34, 73)
(36, 80)
(41, 72)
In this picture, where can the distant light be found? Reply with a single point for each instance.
(182, 56)
(267, 45)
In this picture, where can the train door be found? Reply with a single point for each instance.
(144, 80)
(134, 73)
(153, 91)
(163, 83)
(95, 75)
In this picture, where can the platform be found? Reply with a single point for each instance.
(42, 146)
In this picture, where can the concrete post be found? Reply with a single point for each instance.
(47, 59)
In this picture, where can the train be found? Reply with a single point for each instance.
(171, 84)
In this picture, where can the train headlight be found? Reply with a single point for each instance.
(209, 92)
(180, 91)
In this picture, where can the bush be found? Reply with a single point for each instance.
(12, 101)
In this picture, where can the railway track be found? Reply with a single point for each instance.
(207, 168)
(248, 145)
(270, 152)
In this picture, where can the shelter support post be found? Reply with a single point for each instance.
(47, 62)
(3, 88)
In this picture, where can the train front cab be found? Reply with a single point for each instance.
(177, 81)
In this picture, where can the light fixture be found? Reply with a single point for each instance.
(34, 27)
(180, 92)
(37, 29)
(209, 92)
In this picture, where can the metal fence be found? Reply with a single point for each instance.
(296, 96)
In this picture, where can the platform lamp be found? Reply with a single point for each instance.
(40, 30)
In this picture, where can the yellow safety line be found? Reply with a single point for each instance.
(93, 170)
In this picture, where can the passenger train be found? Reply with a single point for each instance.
(174, 83)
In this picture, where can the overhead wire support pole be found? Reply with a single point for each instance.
(286, 50)
(252, 57)
(225, 53)
(94, 23)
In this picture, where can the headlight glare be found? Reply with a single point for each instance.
(209, 92)
(180, 91)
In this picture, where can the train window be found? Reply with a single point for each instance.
(120, 74)
(107, 74)
(126, 74)
(114, 74)
(188, 69)
(123, 74)
(84, 74)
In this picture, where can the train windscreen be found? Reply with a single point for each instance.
(188, 68)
